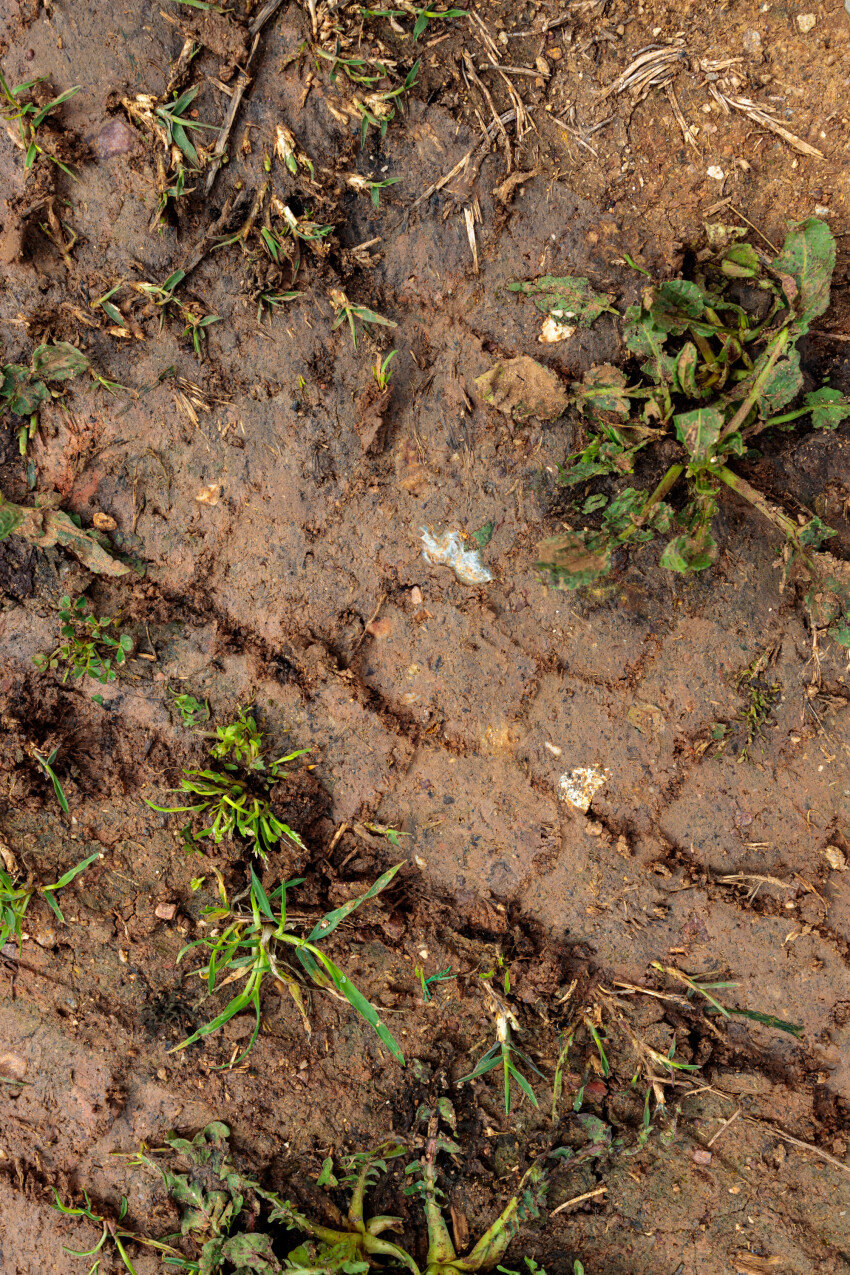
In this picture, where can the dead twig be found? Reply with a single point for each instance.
(723, 1127)
(760, 116)
(577, 1199)
(690, 140)
(654, 67)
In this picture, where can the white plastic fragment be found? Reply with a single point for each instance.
(554, 330)
(579, 786)
(448, 550)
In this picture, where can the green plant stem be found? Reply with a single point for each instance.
(669, 480)
(740, 416)
(781, 521)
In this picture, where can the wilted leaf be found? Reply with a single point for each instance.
(815, 533)
(22, 395)
(720, 236)
(686, 370)
(46, 527)
(567, 298)
(782, 385)
(602, 387)
(11, 517)
(829, 407)
(690, 553)
(59, 362)
(251, 1252)
(521, 388)
(570, 562)
(646, 718)
(808, 256)
(699, 431)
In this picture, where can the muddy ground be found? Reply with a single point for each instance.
(443, 710)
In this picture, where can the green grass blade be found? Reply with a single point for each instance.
(68, 877)
(261, 896)
(329, 922)
(359, 1002)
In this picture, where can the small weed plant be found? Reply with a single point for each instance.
(27, 117)
(250, 943)
(88, 648)
(221, 1207)
(717, 364)
(16, 896)
(23, 389)
(349, 310)
(193, 712)
(504, 1053)
(235, 799)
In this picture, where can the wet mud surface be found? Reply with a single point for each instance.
(278, 501)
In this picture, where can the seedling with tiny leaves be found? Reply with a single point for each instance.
(236, 798)
(717, 365)
(367, 185)
(88, 649)
(504, 1052)
(193, 712)
(377, 109)
(382, 371)
(16, 895)
(351, 311)
(250, 943)
(24, 118)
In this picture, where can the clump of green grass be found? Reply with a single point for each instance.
(88, 649)
(235, 798)
(16, 109)
(252, 944)
(349, 310)
(110, 1230)
(504, 1053)
(16, 895)
(717, 365)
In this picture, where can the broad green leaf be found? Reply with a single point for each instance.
(11, 517)
(59, 361)
(741, 262)
(331, 920)
(808, 258)
(566, 298)
(675, 304)
(571, 562)
(22, 395)
(815, 533)
(59, 529)
(829, 408)
(646, 339)
(690, 553)
(699, 431)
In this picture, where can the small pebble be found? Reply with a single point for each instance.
(716, 172)
(752, 42)
(416, 595)
(806, 22)
(165, 911)
(836, 858)
(115, 138)
(379, 628)
(700, 1156)
(104, 522)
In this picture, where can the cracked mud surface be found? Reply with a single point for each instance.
(456, 715)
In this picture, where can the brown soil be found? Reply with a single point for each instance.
(447, 711)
